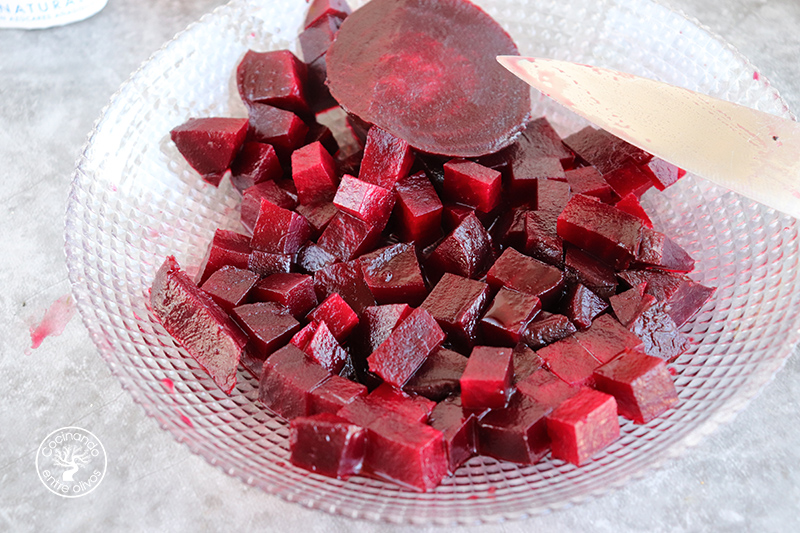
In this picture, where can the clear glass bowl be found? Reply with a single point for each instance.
(134, 201)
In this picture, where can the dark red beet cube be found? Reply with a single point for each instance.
(265, 264)
(339, 317)
(682, 296)
(628, 179)
(268, 325)
(457, 303)
(210, 144)
(526, 362)
(585, 269)
(552, 196)
(229, 286)
(418, 209)
(471, 184)
(582, 426)
(509, 230)
(370, 203)
(454, 214)
(251, 201)
(322, 134)
(304, 335)
(318, 216)
(535, 170)
(327, 444)
(279, 230)
(628, 304)
(630, 204)
(276, 78)
(313, 258)
(606, 338)
(284, 130)
(603, 150)
(439, 375)
(486, 382)
(317, 38)
(525, 274)
(347, 237)
(346, 280)
(287, 380)
(581, 305)
(517, 433)
(546, 389)
(314, 174)
(589, 181)
(458, 428)
(406, 348)
(570, 361)
(659, 251)
(334, 393)
(546, 329)
(640, 383)
(414, 408)
(661, 173)
(467, 251)
(393, 275)
(378, 322)
(386, 160)
(509, 313)
(658, 332)
(197, 323)
(541, 239)
(252, 364)
(326, 8)
(323, 348)
(256, 163)
(294, 291)
(542, 139)
(227, 248)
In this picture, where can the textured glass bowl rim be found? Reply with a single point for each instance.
(733, 406)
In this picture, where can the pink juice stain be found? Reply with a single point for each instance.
(169, 385)
(55, 320)
(756, 76)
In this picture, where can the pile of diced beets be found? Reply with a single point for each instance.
(407, 311)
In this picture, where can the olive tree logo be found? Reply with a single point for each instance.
(71, 462)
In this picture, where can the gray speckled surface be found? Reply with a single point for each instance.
(53, 84)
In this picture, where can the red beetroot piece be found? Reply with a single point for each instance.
(606, 338)
(546, 389)
(525, 274)
(418, 209)
(393, 275)
(287, 380)
(600, 229)
(378, 322)
(294, 291)
(414, 408)
(210, 144)
(317, 38)
(467, 251)
(265, 264)
(458, 428)
(641, 384)
(334, 393)
(457, 304)
(659, 251)
(229, 286)
(439, 375)
(516, 433)
(256, 163)
(537, 141)
(278, 230)
(581, 305)
(370, 203)
(323, 348)
(339, 317)
(658, 332)
(347, 237)
(628, 179)
(322, 134)
(509, 313)
(386, 160)
(661, 173)
(471, 184)
(406, 348)
(588, 181)
(582, 426)
(536, 171)
(603, 150)
(251, 201)
(541, 240)
(284, 130)
(630, 204)
(327, 444)
(276, 78)
(318, 216)
(546, 329)
(304, 335)
(627, 304)
(346, 280)
(585, 269)
(314, 174)
(682, 296)
(526, 362)
(227, 248)
(509, 230)
(197, 323)
(268, 325)
(326, 8)
(570, 361)
(552, 196)
(486, 382)
(313, 258)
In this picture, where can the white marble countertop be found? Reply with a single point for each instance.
(53, 84)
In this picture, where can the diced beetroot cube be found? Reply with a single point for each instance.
(682, 297)
(546, 329)
(287, 380)
(279, 230)
(314, 174)
(582, 426)
(581, 305)
(661, 173)
(371, 203)
(414, 408)
(517, 433)
(229, 286)
(509, 313)
(197, 323)
(486, 382)
(284, 130)
(458, 429)
(526, 362)
(251, 201)
(303, 337)
(640, 383)
(570, 361)
(589, 181)
(327, 444)
(472, 184)
(628, 179)
(606, 338)
(326, 8)
(319, 97)
(346, 280)
(322, 134)
(457, 303)
(323, 348)
(317, 38)
(294, 291)
(546, 389)
(251, 363)
(406, 348)
(600, 229)
(439, 375)
(256, 163)
(597, 276)
(276, 78)
(658, 332)
(378, 322)
(418, 208)
(268, 325)
(552, 196)
(210, 144)
(386, 160)
(658, 250)
(543, 139)
(347, 237)
(227, 248)
(627, 304)
(467, 251)
(603, 150)
(393, 275)
(541, 239)
(535, 170)
(313, 258)
(265, 264)
(318, 216)
(339, 317)
(334, 393)
(509, 230)
(630, 204)
(525, 274)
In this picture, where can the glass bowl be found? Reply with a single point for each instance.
(134, 201)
